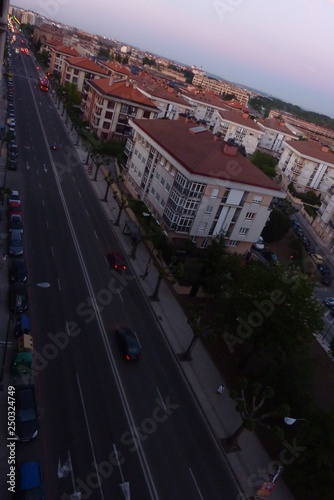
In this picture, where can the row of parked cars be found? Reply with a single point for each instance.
(29, 483)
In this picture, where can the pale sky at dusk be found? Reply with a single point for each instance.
(283, 48)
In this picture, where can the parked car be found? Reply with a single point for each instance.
(22, 326)
(259, 245)
(324, 270)
(15, 242)
(26, 427)
(14, 208)
(18, 298)
(270, 256)
(128, 344)
(12, 162)
(326, 280)
(11, 122)
(116, 261)
(17, 270)
(14, 197)
(15, 222)
(29, 484)
(329, 301)
(318, 259)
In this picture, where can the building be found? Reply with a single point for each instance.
(3, 29)
(310, 166)
(165, 97)
(58, 54)
(117, 70)
(78, 69)
(238, 126)
(274, 134)
(110, 105)
(198, 186)
(220, 88)
(203, 103)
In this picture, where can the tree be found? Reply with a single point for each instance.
(249, 405)
(194, 320)
(122, 203)
(275, 312)
(110, 180)
(103, 52)
(265, 162)
(278, 225)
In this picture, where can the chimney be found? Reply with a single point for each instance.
(127, 83)
(134, 84)
(111, 80)
(281, 123)
(324, 148)
(230, 148)
(245, 115)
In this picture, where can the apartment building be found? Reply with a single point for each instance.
(3, 29)
(197, 185)
(238, 126)
(110, 105)
(58, 54)
(310, 166)
(166, 98)
(274, 134)
(203, 103)
(78, 69)
(220, 87)
(118, 71)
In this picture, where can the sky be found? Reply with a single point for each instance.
(282, 47)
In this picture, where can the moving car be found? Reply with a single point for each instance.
(116, 261)
(17, 270)
(26, 427)
(128, 344)
(53, 146)
(29, 484)
(15, 242)
(18, 297)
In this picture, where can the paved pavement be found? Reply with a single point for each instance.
(251, 465)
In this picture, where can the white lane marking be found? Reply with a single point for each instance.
(162, 401)
(96, 236)
(59, 284)
(40, 185)
(52, 251)
(87, 212)
(90, 436)
(47, 224)
(43, 203)
(193, 477)
(120, 296)
(79, 194)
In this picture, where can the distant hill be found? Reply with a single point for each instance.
(267, 103)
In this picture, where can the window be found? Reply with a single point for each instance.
(157, 196)
(243, 231)
(136, 152)
(167, 187)
(257, 199)
(202, 226)
(157, 176)
(146, 114)
(139, 156)
(208, 209)
(162, 182)
(194, 239)
(205, 243)
(250, 215)
(153, 191)
(143, 160)
(162, 203)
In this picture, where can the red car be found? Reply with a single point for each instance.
(116, 261)
(14, 208)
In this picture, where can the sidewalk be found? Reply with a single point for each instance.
(251, 465)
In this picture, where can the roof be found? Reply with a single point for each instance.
(312, 149)
(86, 64)
(121, 90)
(207, 97)
(200, 154)
(63, 49)
(276, 125)
(116, 67)
(158, 88)
(237, 117)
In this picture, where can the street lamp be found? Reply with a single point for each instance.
(148, 264)
(291, 420)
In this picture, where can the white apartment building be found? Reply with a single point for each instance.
(238, 126)
(274, 134)
(198, 186)
(310, 166)
(220, 87)
(78, 69)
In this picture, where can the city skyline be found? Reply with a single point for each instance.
(277, 49)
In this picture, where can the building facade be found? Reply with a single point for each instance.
(274, 134)
(198, 186)
(78, 69)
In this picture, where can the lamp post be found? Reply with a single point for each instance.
(148, 264)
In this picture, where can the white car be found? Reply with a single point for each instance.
(11, 122)
(14, 197)
(259, 245)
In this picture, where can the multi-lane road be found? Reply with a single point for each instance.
(137, 424)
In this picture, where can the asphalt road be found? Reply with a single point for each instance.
(138, 424)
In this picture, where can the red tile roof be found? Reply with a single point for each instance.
(122, 90)
(276, 125)
(86, 64)
(116, 67)
(206, 97)
(200, 154)
(313, 150)
(64, 49)
(237, 117)
(158, 88)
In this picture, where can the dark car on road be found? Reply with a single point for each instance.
(116, 261)
(17, 270)
(29, 483)
(15, 242)
(18, 297)
(128, 344)
(26, 427)
(15, 222)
